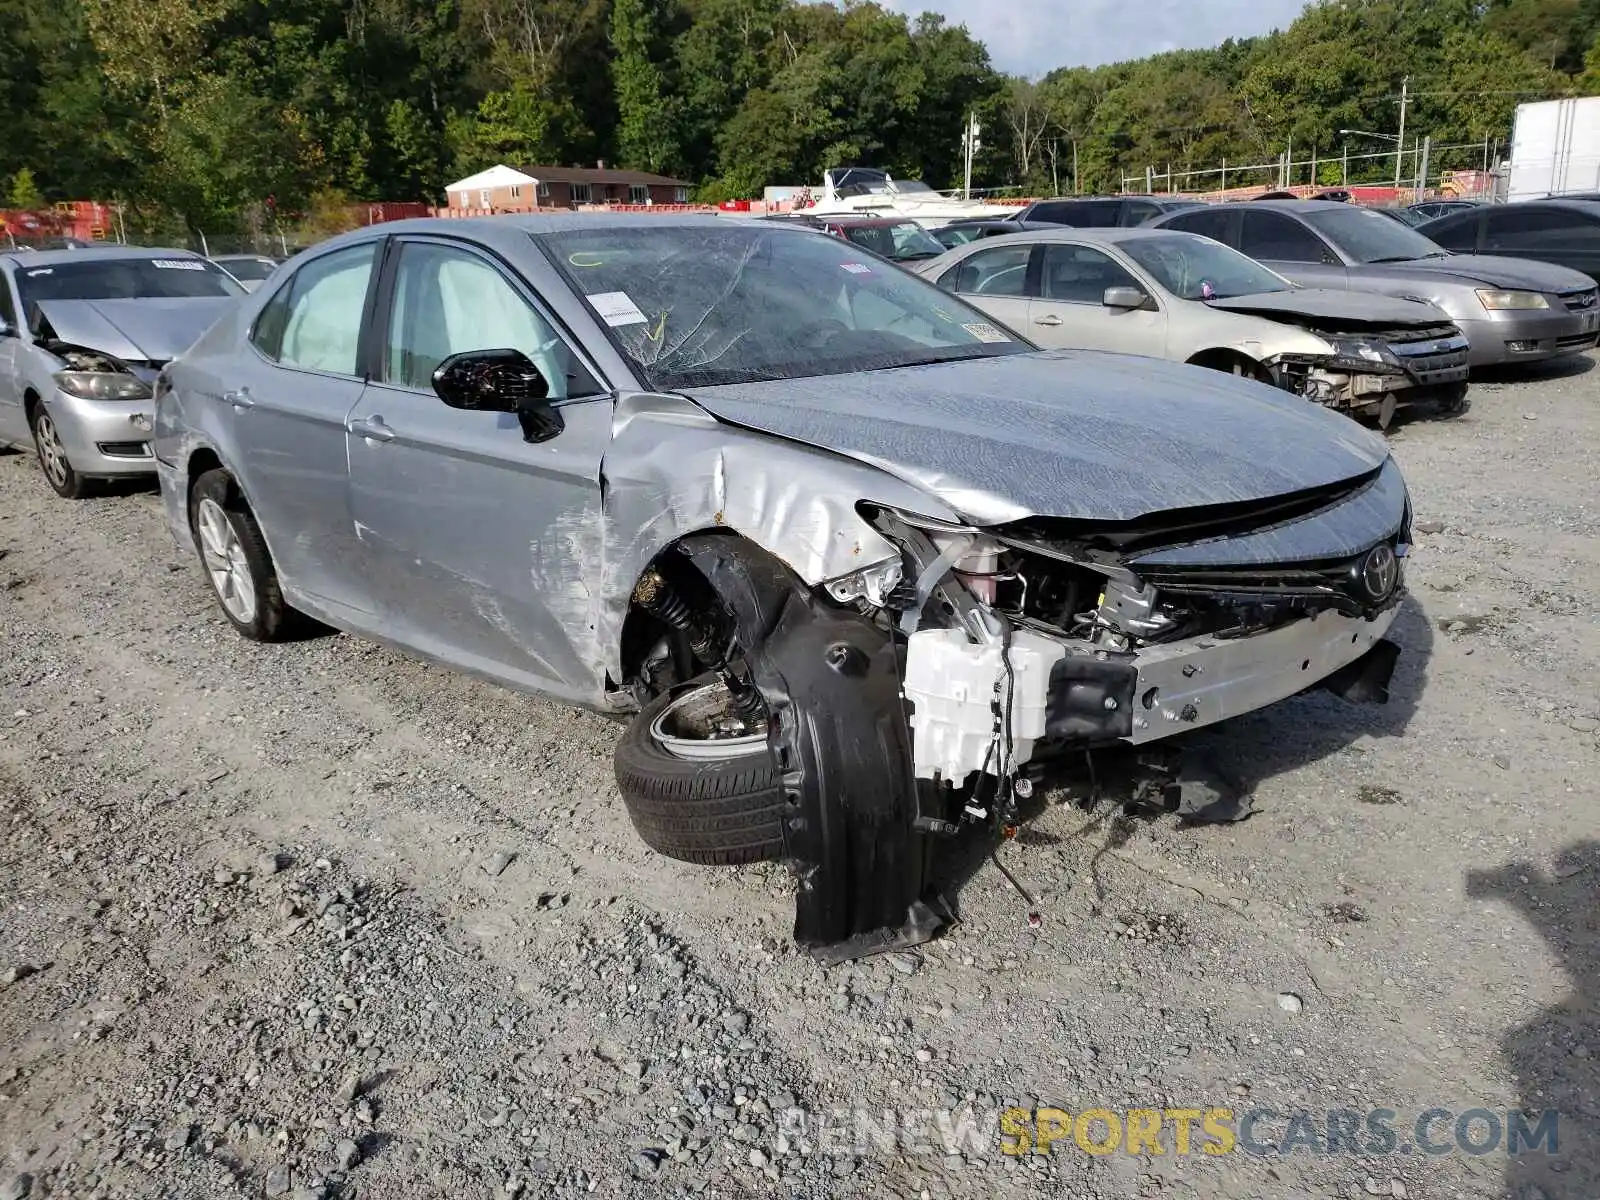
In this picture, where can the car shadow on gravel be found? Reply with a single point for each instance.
(1560, 368)
(1237, 756)
(1555, 1057)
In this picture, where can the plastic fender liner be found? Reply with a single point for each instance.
(837, 728)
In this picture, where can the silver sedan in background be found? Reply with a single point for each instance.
(1184, 297)
(82, 334)
(1510, 309)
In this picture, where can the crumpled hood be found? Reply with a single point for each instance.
(1326, 304)
(137, 330)
(1063, 433)
(1491, 270)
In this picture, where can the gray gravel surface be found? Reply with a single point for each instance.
(321, 920)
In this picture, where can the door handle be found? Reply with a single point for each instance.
(240, 399)
(373, 429)
(1052, 320)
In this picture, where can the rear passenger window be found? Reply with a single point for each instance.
(1207, 222)
(8, 310)
(1457, 232)
(1001, 271)
(314, 320)
(1057, 212)
(1275, 237)
(1139, 211)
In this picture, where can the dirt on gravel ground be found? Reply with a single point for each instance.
(321, 920)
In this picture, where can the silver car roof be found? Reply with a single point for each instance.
(44, 258)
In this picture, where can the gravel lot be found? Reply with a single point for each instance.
(320, 920)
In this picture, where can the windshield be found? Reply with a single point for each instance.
(1197, 268)
(694, 305)
(1369, 237)
(910, 185)
(907, 240)
(125, 279)
(253, 269)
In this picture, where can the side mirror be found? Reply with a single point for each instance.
(500, 381)
(1124, 297)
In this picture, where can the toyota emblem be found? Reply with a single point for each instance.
(1379, 572)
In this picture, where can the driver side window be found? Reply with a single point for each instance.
(449, 301)
(8, 310)
(1079, 275)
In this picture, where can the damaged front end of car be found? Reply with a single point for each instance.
(903, 700)
(1372, 372)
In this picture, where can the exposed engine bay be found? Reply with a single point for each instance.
(1371, 371)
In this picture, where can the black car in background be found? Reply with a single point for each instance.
(898, 239)
(1564, 232)
(1103, 212)
(959, 233)
(1427, 210)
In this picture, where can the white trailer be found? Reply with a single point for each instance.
(1555, 148)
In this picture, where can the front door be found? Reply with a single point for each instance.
(483, 548)
(288, 403)
(1070, 310)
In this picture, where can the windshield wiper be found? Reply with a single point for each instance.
(1371, 262)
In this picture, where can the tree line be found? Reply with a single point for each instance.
(223, 114)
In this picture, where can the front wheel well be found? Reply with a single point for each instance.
(30, 405)
(1234, 362)
(642, 632)
(200, 462)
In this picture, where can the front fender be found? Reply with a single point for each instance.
(672, 469)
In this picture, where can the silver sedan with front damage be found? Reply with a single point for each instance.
(82, 335)
(1187, 298)
(1511, 310)
(845, 549)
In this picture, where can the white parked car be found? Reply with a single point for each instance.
(1180, 296)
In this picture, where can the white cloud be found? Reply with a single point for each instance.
(1030, 37)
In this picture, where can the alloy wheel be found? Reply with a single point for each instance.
(225, 562)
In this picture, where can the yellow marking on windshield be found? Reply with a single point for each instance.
(586, 254)
(948, 318)
(654, 335)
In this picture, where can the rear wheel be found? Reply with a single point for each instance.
(699, 784)
(58, 471)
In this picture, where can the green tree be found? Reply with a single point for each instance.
(24, 192)
(647, 136)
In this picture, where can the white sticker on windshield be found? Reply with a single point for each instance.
(41, 271)
(857, 268)
(178, 264)
(616, 308)
(986, 333)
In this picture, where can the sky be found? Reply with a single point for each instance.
(1030, 37)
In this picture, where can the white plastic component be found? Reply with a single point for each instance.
(953, 685)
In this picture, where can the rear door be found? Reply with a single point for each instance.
(13, 424)
(292, 387)
(999, 280)
(1289, 248)
(483, 548)
(1070, 309)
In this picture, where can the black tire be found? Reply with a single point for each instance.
(58, 472)
(272, 620)
(718, 813)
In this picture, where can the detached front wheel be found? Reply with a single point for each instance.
(699, 784)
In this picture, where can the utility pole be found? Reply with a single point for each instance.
(1075, 185)
(1345, 177)
(1422, 169)
(970, 143)
(1400, 142)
